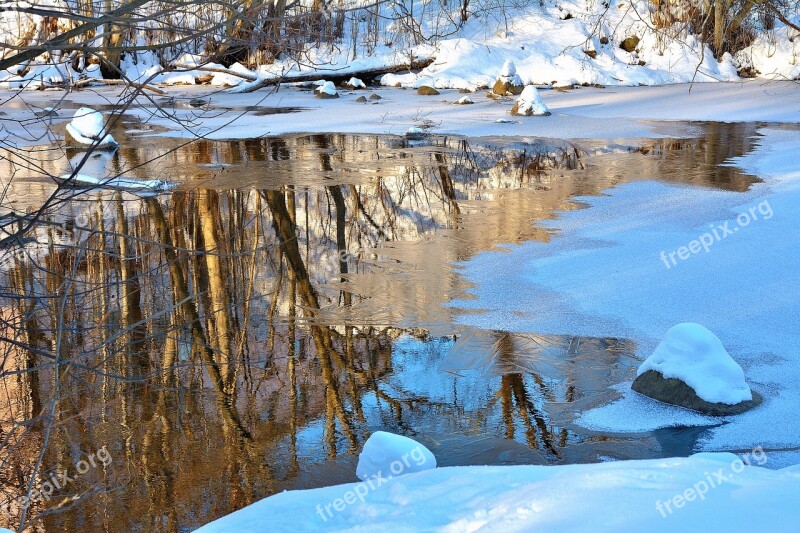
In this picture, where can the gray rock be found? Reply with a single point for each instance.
(675, 392)
(361, 99)
(374, 96)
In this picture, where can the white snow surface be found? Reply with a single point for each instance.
(602, 276)
(612, 113)
(694, 355)
(386, 455)
(530, 100)
(612, 496)
(88, 127)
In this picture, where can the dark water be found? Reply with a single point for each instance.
(243, 334)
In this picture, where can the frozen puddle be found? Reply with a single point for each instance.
(627, 267)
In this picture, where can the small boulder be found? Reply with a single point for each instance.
(327, 90)
(374, 96)
(464, 100)
(361, 99)
(509, 81)
(355, 83)
(530, 104)
(427, 90)
(630, 44)
(691, 368)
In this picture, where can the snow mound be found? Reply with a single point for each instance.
(88, 127)
(386, 455)
(694, 355)
(530, 103)
(465, 100)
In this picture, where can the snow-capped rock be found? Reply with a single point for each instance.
(355, 83)
(327, 90)
(508, 81)
(530, 103)
(386, 455)
(88, 128)
(694, 356)
(464, 100)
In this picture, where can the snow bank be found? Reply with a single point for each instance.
(694, 355)
(386, 455)
(655, 495)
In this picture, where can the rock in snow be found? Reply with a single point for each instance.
(692, 357)
(327, 90)
(355, 83)
(530, 103)
(508, 81)
(386, 455)
(88, 127)
(464, 100)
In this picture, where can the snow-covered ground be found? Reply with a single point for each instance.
(587, 113)
(720, 492)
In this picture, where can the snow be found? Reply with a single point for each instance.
(328, 88)
(508, 69)
(386, 455)
(465, 100)
(88, 127)
(601, 275)
(222, 79)
(694, 355)
(530, 100)
(718, 491)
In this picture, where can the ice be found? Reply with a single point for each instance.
(601, 276)
(386, 455)
(88, 127)
(694, 355)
